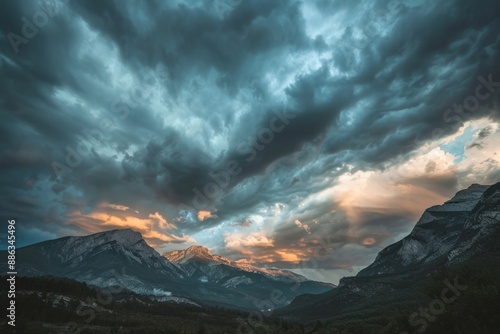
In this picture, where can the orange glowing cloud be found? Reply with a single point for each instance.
(287, 256)
(202, 215)
(162, 222)
(110, 220)
(272, 255)
(167, 238)
(258, 248)
(241, 242)
(368, 241)
(118, 207)
(149, 227)
(377, 192)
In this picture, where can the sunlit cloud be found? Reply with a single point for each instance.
(162, 222)
(244, 243)
(368, 241)
(203, 215)
(167, 238)
(304, 226)
(151, 228)
(118, 207)
(288, 256)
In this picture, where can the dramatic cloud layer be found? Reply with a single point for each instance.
(302, 135)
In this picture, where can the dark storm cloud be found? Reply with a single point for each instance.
(399, 77)
(229, 46)
(158, 97)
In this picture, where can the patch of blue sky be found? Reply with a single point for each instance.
(457, 146)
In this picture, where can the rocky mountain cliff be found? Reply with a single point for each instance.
(436, 234)
(463, 230)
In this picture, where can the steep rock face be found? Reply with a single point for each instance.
(434, 235)
(480, 238)
(464, 230)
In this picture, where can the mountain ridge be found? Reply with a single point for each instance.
(183, 258)
(462, 231)
(122, 257)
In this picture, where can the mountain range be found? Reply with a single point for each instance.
(123, 258)
(198, 262)
(463, 231)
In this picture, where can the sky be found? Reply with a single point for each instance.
(305, 135)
